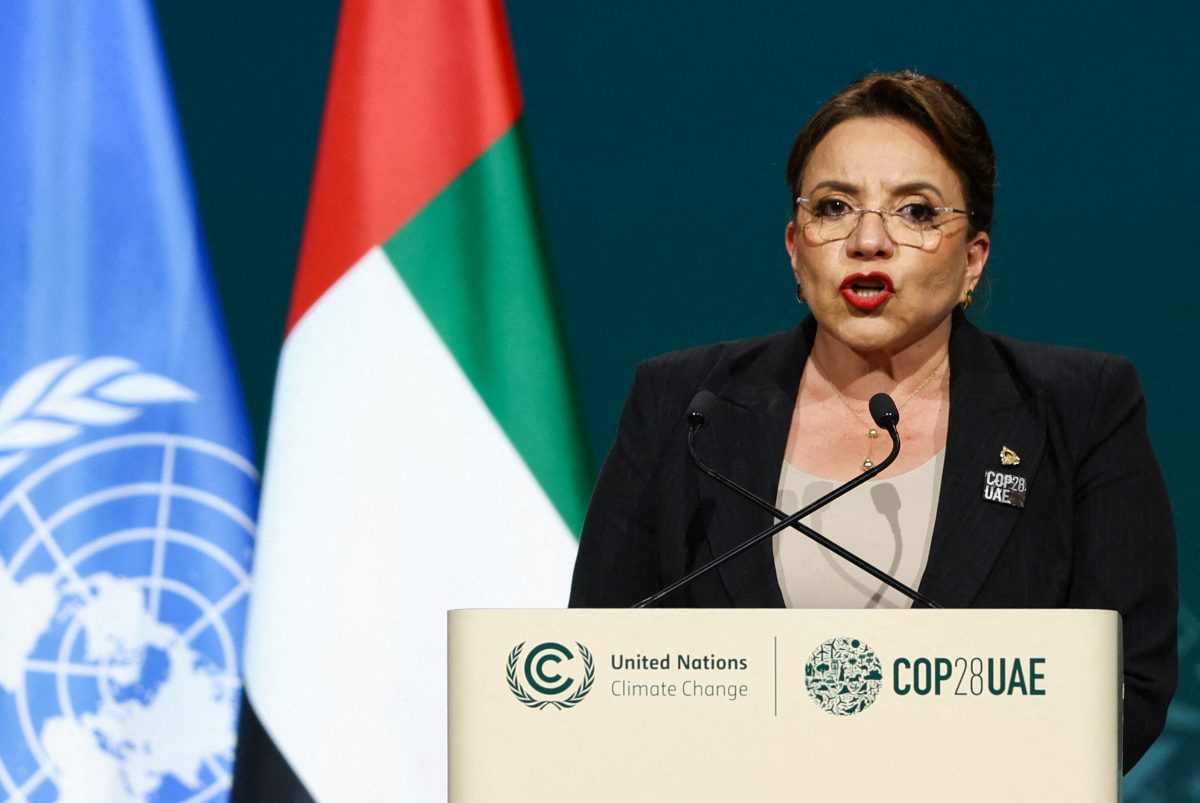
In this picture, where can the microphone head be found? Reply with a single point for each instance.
(883, 411)
(700, 408)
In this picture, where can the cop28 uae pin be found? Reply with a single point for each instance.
(1003, 487)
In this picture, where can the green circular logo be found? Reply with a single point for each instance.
(551, 670)
(843, 676)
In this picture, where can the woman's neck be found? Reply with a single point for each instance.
(831, 430)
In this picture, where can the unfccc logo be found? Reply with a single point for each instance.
(551, 670)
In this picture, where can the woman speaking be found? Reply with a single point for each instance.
(1026, 477)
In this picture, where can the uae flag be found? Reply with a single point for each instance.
(426, 451)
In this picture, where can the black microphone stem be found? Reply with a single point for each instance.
(793, 521)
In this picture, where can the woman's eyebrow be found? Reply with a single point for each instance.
(833, 184)
(900, 189)
(918, 186)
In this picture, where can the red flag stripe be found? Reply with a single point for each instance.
(418, 90)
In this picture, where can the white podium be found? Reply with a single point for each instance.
(764, 705)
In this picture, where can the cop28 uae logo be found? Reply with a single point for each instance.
(551, 670)
(843, 675)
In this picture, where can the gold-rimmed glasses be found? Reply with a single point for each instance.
(912, 223)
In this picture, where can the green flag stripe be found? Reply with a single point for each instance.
(475, 261)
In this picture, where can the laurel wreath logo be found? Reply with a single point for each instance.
(514, 684)
(58, 399)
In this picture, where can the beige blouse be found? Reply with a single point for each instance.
(888, 523)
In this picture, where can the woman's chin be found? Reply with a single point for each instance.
(880, 333)
(869, 335)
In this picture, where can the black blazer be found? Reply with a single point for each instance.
(1096, 530)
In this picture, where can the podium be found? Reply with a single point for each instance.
(750, 705)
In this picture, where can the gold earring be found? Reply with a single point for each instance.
(799, 293)
(966, 302)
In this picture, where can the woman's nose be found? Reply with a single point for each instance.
(870, 238)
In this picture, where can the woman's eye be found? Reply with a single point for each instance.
(917, 213)
(832, 207)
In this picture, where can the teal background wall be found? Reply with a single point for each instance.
(659, 133)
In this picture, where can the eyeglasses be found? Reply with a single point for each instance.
(913, 223)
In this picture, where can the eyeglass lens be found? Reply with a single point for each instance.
(900, 230)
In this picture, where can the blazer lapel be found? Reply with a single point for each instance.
(745, 441)
(987, 413)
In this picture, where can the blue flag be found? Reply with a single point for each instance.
(127, 489)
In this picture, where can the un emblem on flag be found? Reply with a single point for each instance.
(126, 558)
(551, 670)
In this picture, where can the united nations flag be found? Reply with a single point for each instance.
(127, 492)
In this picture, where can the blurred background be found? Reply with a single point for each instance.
(659, 133)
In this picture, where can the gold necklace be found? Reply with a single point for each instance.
(872, 432)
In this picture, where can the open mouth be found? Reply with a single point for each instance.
(867, 291)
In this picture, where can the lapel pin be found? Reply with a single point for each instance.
(1004, 488)
(1008, 457)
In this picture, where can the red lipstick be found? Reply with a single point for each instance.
(867, 291)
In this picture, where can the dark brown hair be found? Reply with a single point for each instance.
(932, 105)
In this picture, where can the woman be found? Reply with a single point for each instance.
(892, 185)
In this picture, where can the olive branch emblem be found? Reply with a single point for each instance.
(581, 691)
(53, 402)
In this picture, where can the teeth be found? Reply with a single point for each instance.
(867, 292)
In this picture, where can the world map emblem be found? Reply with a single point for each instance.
(126, 555)
(843, 676)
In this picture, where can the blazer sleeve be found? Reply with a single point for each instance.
(616, 565)
(1125, 549)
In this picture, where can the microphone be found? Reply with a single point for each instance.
(883, 411)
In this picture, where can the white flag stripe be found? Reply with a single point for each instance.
(392, 495)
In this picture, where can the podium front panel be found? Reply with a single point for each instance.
(746, 705)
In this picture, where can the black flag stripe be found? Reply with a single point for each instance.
(261, 772)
